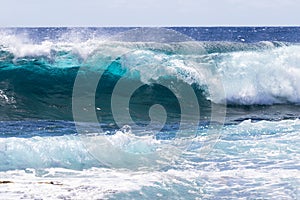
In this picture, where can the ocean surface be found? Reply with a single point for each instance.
(150, 113)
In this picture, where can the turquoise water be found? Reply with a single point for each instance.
(125, 113)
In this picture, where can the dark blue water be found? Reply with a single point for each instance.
(59, 84)
(230, 34)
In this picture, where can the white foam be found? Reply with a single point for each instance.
(261, 159)
(21, 46)
(261, 77)
(102, 183)
(6, 99)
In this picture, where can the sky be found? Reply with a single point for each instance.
(74, 13)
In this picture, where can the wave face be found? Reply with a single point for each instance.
(37, 73)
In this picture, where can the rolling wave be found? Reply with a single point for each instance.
(69, 151)
(37, 79)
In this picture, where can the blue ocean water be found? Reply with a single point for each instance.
(66, 94)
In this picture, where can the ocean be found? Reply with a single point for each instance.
(150, 113)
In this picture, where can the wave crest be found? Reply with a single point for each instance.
(261, 73)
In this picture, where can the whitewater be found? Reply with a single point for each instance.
(143, 113)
